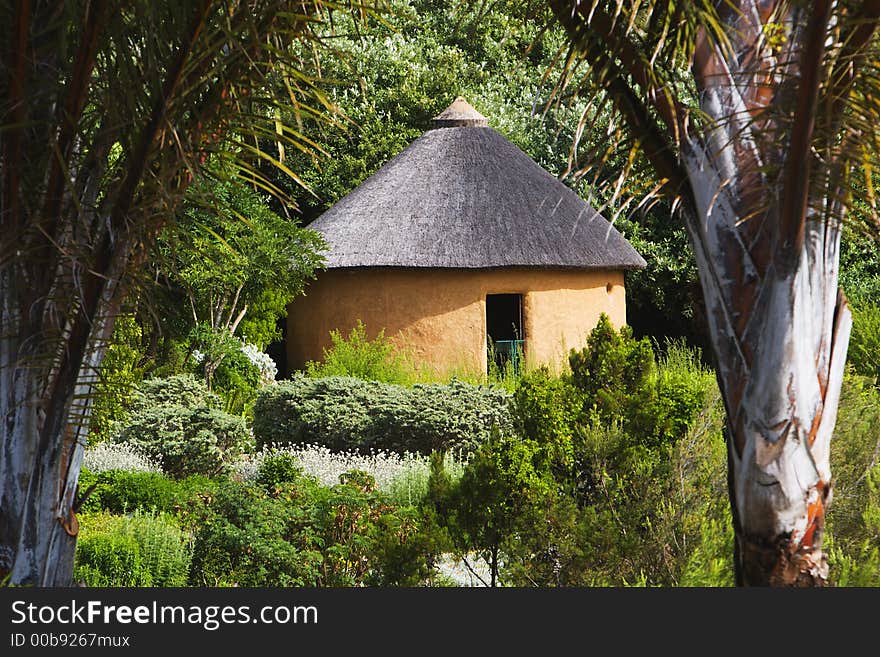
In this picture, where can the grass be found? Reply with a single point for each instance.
(380, 360)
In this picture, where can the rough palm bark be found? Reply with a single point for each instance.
(107, 112)
(759, 166)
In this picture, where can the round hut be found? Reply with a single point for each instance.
(462, 248)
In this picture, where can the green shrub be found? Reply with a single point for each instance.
(346, 413)
(278, 468)
(859, 569)
(692, 529)
(175, 390)
(548, 409)
(357, 356)
(110, 560)
(303, 534)
(710, 561)
(863, 353)
(854, 557)
(188, 441)
(640, 474)
(507, 508)
(251, 538)
(176, 422)
(656, 514)
(673, 396)
(119, 491)
(636, 452)
(621, 381)
(142, 549)
(853, 519)
(612, 370)
(365, 540)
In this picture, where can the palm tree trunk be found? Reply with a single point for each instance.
(780, 328)
(42, 442)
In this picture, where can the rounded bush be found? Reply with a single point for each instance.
(177, 423)
(278, 468)
(345, 413)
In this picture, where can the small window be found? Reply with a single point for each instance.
(505, 336)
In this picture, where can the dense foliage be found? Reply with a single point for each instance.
(564, 498)
(612, 473)
(231, 263)
(177, 422)
(358, 356)
(854, 517)
(123, 491)
(141, 549)
(615, 475)
(297, 533)
(349, 413)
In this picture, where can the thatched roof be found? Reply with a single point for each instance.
(463, 196)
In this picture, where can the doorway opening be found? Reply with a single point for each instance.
(505, 336)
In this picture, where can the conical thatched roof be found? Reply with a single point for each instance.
(463, 196)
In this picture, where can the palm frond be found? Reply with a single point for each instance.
(629, 60)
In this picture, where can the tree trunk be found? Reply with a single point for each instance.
(761, 173)
(780, 328)
(36, 533)
(42, 442)
(76, 218)
(493, 566)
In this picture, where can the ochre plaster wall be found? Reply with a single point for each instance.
(439, 315)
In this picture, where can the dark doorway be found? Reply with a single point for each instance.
(504, 330)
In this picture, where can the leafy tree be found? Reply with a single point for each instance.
(108, 113)
(500, 496)
(663, 300)
(218, 281)
(399, 75)
(123, 368)
(229, 254)
(752, 116)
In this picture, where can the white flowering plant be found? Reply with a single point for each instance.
(118, 456)
(262, 361)
(403, 476)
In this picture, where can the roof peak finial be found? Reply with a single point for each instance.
(460, 114)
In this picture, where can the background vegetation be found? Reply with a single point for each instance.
(572, 484)
(203, 470)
